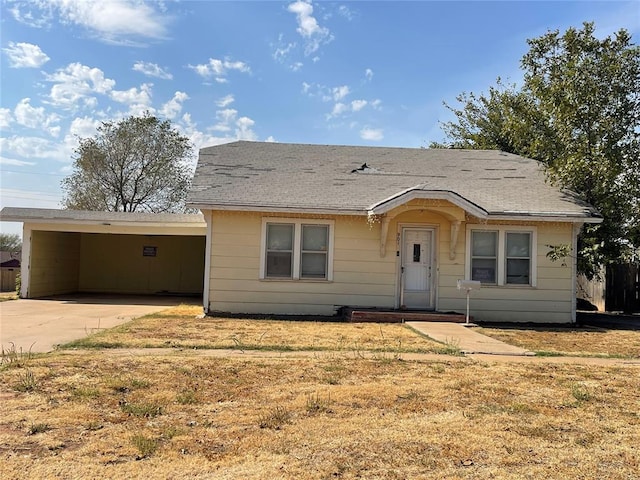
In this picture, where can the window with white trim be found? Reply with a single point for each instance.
(297, 249)
(501, 255)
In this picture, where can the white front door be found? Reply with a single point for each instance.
(416, 266)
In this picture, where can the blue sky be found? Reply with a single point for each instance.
(354, 73)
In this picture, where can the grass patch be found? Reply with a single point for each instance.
(7, 296)
(258, 416)
(14, 357)
(142, 409)
(275, 418)
(146, 446)
(570, 341)
(27, 382)
(36, 428)
(180, 328)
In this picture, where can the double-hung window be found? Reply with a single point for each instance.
(279, 250)
(297, 249)
(484, 256)
(518, 258)
(501, 255)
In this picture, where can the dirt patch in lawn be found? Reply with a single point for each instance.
(575, 341)
(181, 327)
(96, 415)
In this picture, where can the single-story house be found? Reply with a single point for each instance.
(310, 229)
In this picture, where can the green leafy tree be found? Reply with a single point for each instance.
(135, 165)
(10, 242)
(577, 112)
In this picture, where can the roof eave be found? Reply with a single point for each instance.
(544, 217)
(279, 209)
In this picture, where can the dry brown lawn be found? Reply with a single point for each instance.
(354, 408)
(108, 414)
(179, 327)
(580, 341)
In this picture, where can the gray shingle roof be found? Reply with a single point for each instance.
(280, 176)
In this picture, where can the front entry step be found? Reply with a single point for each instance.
(400, 316)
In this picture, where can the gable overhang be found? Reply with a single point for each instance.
(410, 194)
(474, 209)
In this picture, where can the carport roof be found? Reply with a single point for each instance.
(49, 215)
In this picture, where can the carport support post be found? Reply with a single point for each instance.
(25, 264)
(208, 217)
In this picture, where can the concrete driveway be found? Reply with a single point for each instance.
(41, 324)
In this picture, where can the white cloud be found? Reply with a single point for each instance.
(174, 106)
(338, 109)
(282, 49)
(133, 96)
(345, 12)
(5, 117)
(225, 101)
(29, 147)
(112, 21)
(308, 27)
(374, 134)
(340, 92)
(83, 127)
(270, 139)
(13, 162)
(25, 55)
(358, 105)
(376, 103)
(368, 73)
(35, 117)
(75, 83)
(225, 118)
(243, 130)
(152, 70)
(295, 67)
(218, 69)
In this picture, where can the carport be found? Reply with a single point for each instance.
(69, 251)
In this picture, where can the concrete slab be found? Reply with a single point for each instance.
(41, 324)
(466, 339)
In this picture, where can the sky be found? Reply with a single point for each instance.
(346, 73)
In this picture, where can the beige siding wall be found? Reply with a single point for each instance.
(363, 278)
(550, 301)
(360, 276)
(54, 264)
(115, 264)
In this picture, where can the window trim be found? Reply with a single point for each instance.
(297, 248)
(502, 231)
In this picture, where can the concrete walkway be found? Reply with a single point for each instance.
(465, 338)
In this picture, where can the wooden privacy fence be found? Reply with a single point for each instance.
(8, 279)
(622, 292)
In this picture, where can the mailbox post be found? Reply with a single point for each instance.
(468, 285)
